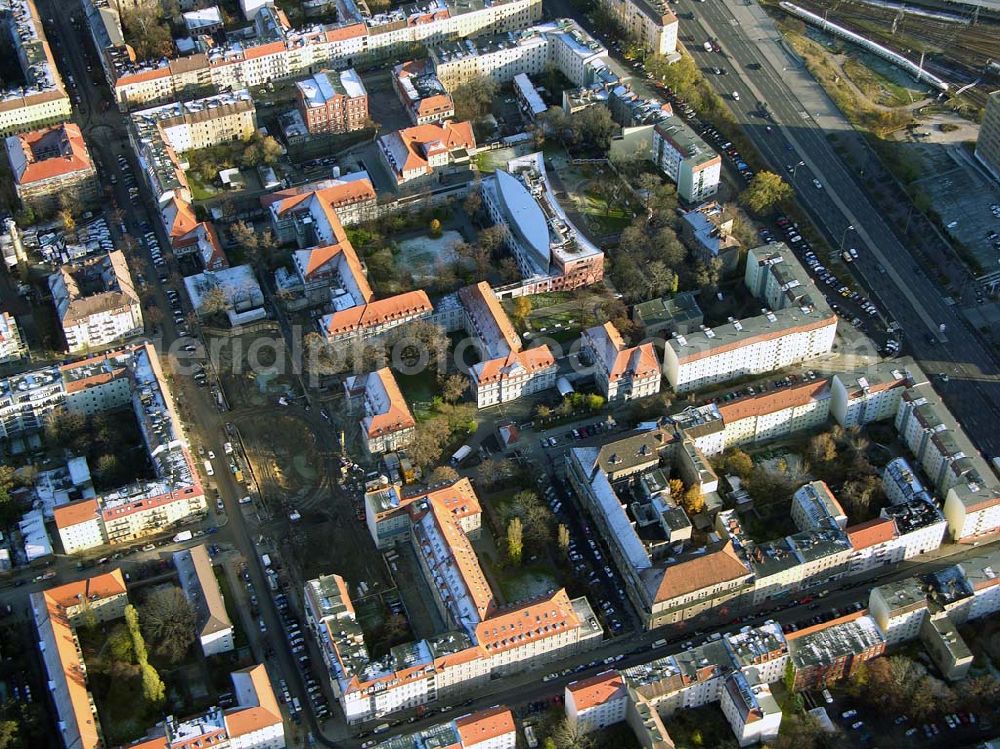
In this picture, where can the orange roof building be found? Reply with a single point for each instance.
(484, 635)
(622, 373)
(507, 371)
(417, 151)
(387, 424)
(487, 728)
(57, 611)
(51, 161)
(424, 96)
(596, 702)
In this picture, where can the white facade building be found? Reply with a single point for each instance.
(597, 702)
(686, 159)
(751, 710)
(621, 373)
(899, 608)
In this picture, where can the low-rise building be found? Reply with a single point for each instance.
(420, 150)
(666, 316)
(506, 370)
(621, 373)
(551, 253)
(424, 96)
(333, 102)
(96, 302)
(946, 647)
(387, 424)
(596, 702)
(686, 159)
(233, 291)
(50, 163)
(197, 578)
(752, 712)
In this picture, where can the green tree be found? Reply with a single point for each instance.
(120, 645)
(739, 464)
(474, 98)
(822, 448)
(563, 538)
(9, 735)
(594, 401)
(765, 192)
(132, 625)
(153, 689)
(168, 622)
(522, 308)
(430, 438)
(435, 227)
(515, 540)
(549, 743)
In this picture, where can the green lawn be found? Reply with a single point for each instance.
(700, 727)
(419, 390)
(525, 581)
(199, 190)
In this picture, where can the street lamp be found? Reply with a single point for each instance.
(850, 227)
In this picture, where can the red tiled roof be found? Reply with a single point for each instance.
(485, 725)
(597, 690)
(697, 573)
(776, 400)
(66, 139)
(397, 414)
(872, 533)
(381, 311)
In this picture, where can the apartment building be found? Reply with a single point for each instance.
(686, 159)
(901, 483)
(873, 393)
(899, 608)
(596, 702)
(57, 612)
(420, 150)
(551, 252)
(139, 509)
(981, 574)
(41, 99)
(972, 510)
(759, 653)
(160, 135)
(770, 415)
(826, 653)
(751, 710)
(484, 640)
(51, 162)
(621, 373)
(493, 728)
(422, 94)
(333, 102)
(254, 722)
(692, 678)
(649, 23)
(796, 325)
(506, 370)
(96, 302)
(945, 646)
(388, 424)
(298, 214)
(814, 506)
(802, 560)
(213, 627)
(988, 142)
(276, 50)
(12, 345)
(560, 44)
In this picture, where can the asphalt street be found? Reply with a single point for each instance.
(803, 117)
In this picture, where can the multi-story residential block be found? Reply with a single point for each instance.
(875, 543)
(920, 527)
(982, 575)
(160, 135)
(254, 722)
(506, 370)
(686, 159)
(424, 96)
(190, 237)
(529, 100)
(972, 510)
(797, 325)
(873, 393)
(96, 302)
(899, 608)
(333, 103)
(901, 483)
(200, 586)
(276, 50)
(828, 652)
(596, 702)
(387, 424)
(485, 640)
(988, 142)
(560, 44)
(493, 728)
(649, 23)
(46, 164)
(760, 653)
(621, 373)
(751, 710)
(814, 506)
(300, 214)
(691, 678)
(41, 99)
(57, 612)
(551, 253)
(770, 415)
(12, 345)
(419, 150)
(786, 565)
(145, 507)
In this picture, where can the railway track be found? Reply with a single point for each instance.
(958, 51)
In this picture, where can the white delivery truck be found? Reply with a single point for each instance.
(183, 536)
(460, 454)
(208, 468)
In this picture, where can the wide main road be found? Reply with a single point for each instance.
(761, 70)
